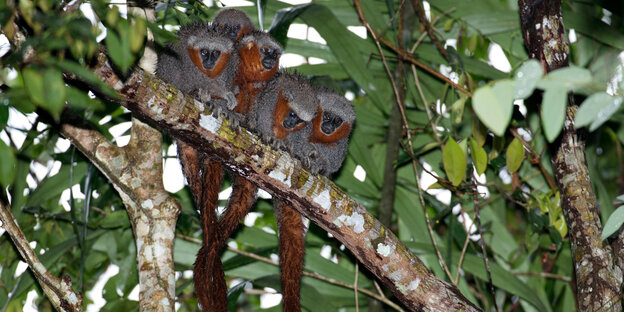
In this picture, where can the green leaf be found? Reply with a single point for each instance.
(479, 156)
(526, 78)
(569, 78)
(614, 223)
(597, 109)
(7, 165)
(115, 219)
(86, 75)
(54, 91)
(454, 161)
(119, 47)
(514, 155)
(79, 100)
(553, 112)
(137, 34)
(494, 105)
(33, 82)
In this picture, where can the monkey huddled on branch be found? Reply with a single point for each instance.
(234, 69)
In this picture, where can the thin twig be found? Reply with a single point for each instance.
(536, 159)
(409, 137)
(423, 20)
(463, 253)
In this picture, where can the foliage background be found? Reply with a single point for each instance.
(523, 228)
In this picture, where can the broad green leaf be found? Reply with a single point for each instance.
(526, 78)
(614, 223)
(4, 115)
(7, 165)
(115, 219)
(597, 109)
(479, 156)
(479, 132)
(137, 34)
(553, 112)
(514, 155)
(118, 47)
(86, 75)
(569, 78)
(33, 82)
(54, 91)
(454, 161)
(494, 105)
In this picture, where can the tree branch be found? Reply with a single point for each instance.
(280, 174)
(58, 290)
(598, 279)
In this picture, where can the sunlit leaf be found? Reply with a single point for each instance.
(514, 155)
(596, 110)
(454, 161)
(553, 112)
(7, 165)
(479, 156)
(54, 91)
(526, 78)
(494, 105)
(614, 223)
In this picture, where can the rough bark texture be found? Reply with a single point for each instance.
(281, 175)
(58, 290)
(135, 171)
(598, 280)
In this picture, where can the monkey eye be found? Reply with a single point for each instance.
(291, 113)
(265, 50)
(204, 52)
(216, 53)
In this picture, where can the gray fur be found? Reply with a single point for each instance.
(262, 40)
(329, 157)
(295, 88)
(227, 19)
(176, 67)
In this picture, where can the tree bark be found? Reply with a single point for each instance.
(598, 279)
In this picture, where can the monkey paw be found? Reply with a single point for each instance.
(231, 100)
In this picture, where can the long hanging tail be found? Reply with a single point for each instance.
(204, 177)
(242, 198)
(291, 251)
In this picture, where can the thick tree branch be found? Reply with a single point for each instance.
(598, 279)
(281, 175)
(135, 171)
(58, 290)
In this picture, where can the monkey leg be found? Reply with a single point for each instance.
(291, 251)
(242, 198)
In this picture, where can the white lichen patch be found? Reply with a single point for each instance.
(385, 267)
(117, 162)
(135, 182)
(148, 204)
(396, 275)
(324, 200)
(355, 220)
(280, 175)
(39, 268)
(538, 26)
(413, 284)
(72, 298)
(385, 250)
(209, 123)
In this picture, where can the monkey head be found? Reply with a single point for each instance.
(233, 23)
(284, 106)
(209, 51)
(334, 119)
(259, 54)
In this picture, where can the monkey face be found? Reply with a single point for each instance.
(270, 56)
(330, 123)
(209, 58)
(292, 120)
